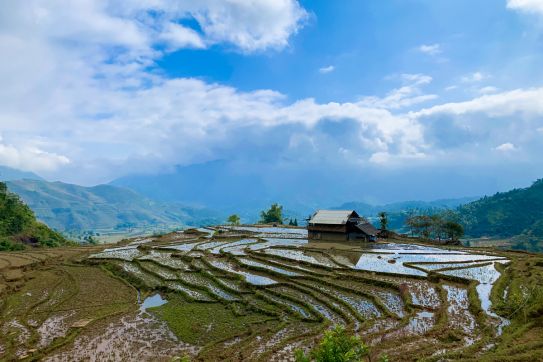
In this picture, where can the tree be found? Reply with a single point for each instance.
(336, 346)
(273, 215)
(453, 230)
(383, 220)
(233, 219)
(293, 222)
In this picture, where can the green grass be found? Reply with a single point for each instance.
(205, 323)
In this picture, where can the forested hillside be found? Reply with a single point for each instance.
(18, 225)
(516, 213)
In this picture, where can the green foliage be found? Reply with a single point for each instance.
(8, 245)
(293, 222)
(453, 230)
(437, 226)
(18, 225)
(336, 346)
(507, 214)
(383, 220)
(273, 215)
(233, 219)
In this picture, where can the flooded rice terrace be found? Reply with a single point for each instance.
(385, 292)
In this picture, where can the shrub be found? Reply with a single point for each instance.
(336, 346)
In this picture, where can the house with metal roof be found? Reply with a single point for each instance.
(340, 225)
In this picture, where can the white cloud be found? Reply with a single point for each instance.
(406, 96)
(529, 6)
(177, 36)
(506, 147)
(430, 49)
(416, 79)
(251, 25)
(90, 110)
(474, 77)
(522, 101)
(327, 69)
(30, 158)
(487, 90)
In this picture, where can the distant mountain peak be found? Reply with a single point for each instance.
(11, 174)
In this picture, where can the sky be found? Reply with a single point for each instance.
(93, 90)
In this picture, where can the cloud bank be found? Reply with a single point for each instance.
(83, 101)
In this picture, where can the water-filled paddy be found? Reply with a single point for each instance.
(276, 272)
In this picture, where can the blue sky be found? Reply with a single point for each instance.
(96, 90)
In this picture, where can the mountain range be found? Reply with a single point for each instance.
(103, 208)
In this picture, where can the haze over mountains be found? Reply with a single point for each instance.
(230, 186)
(103, 208)
(206, 193)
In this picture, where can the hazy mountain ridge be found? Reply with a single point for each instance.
(10, 174)
(68, 207)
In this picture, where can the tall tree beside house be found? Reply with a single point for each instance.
(383, 220)
(273, 215)
(233, 219)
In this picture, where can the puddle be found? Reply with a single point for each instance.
(152, 301)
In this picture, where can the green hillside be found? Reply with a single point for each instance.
(517, 213)
(18, 225)
(103, 208)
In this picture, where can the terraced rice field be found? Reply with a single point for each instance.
(260, 294)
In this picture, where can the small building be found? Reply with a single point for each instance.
(340, 225)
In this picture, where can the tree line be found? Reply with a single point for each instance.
(274, 215)
(440, 226)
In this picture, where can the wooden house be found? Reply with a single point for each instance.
(340, 225)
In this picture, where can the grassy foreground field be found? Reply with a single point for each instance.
(235, 296)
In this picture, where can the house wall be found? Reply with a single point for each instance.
(329, 236)
(336, 236)
(327, 228)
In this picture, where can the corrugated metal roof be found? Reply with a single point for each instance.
(368, 228)
(334, 217)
